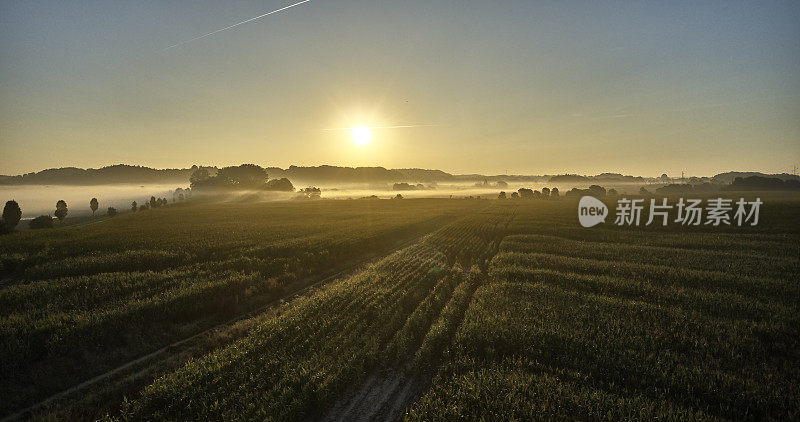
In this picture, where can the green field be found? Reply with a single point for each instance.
(448, 309)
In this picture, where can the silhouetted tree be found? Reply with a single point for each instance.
(525, 193)
(93, 204)
(134, 206)
(111, 211)
(502, 195)
(398, 196)
(245, 175)
(546, 191)
(554, 193)
(41, 222)
(612, 192)
(11, 215)
(61, 209)
(311, 192)
(643, 191)
(597, 190)
(199, 176)
(283, 184)
(514, 195)
(153, 202)
(181, 197)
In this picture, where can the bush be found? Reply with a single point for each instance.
(41, 222)
(282, 184)
(311, 192)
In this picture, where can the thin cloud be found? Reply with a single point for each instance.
(380, 127)
(731, 103)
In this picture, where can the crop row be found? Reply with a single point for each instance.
(76, 308)
(294, 366)
(731, 262)
(613, 324)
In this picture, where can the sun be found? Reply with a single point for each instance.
(361, 135)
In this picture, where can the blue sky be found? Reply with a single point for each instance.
(512, 86)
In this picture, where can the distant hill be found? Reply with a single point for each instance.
(327, 175)
(335, 174)
(498, 177)
(602, 177)
(116, 174)
(759, 183)
(568, 178)
(126, 174)
(729, 177)
(617, 177)
(422, 175)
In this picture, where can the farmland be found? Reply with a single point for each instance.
(468, 309)
(607, 328)
(81, 300)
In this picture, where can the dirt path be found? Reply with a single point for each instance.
(386, 394)
(382, 397)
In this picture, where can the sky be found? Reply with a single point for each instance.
(492, 87)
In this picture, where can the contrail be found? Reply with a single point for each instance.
(235, 25)
(379, 127)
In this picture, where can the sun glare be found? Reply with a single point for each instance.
(361, 135)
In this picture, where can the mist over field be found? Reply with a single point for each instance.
(36, 200)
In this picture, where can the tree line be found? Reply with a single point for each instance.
(547, 193)
(525, 193)
(12, 212)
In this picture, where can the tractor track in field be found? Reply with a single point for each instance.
(386, 393)
(29, 411)
(383, 396)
